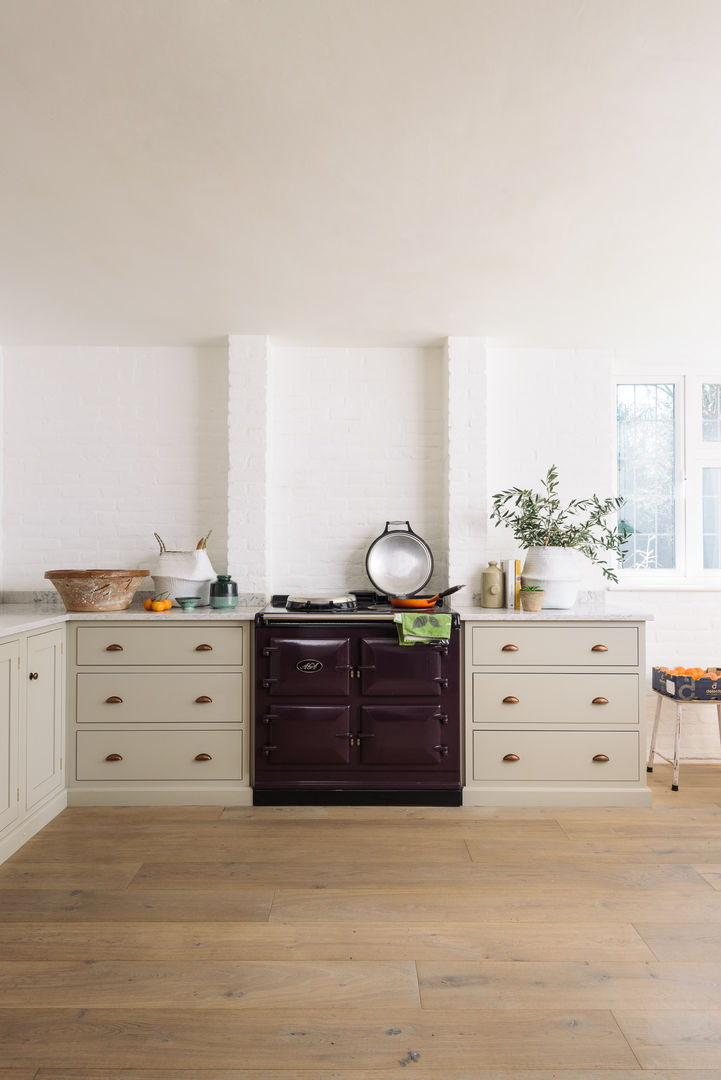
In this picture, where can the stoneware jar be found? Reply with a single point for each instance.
(224, 592)
(492, 586)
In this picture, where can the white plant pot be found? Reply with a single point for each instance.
(556, 571)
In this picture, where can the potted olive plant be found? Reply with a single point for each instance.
(553, 534)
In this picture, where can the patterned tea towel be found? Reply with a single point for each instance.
(416, 629)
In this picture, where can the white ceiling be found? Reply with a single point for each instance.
(542, 172)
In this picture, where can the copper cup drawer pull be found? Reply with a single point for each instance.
(511, 757)
(204, 700)
(114, 700)
(203, 648)
(114, 757)
(509, 648)
(113, 648)
(203, 757)
(599, 648)
(600, 701)
(600, 757)
(510, 700)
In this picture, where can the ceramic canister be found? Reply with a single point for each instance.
(224, 592)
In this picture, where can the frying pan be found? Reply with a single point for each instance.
(399, 562)
(422, 601)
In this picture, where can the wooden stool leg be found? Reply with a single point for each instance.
(676, 748)
(654, 733)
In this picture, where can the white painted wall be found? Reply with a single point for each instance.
(104, 446)
(358, 438)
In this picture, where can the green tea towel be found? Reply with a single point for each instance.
(416, 629)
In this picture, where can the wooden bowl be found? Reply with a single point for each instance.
(96, 590)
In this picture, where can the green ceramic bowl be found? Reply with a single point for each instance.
(188, 603)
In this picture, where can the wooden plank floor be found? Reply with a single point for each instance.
(327, 943)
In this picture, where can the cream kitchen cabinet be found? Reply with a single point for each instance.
(32, 715)
(159, 714)
(554, 713)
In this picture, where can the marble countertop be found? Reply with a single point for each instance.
(19, 618)
(598, 612)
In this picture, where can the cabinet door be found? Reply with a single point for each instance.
(9, 664)
(44, 727)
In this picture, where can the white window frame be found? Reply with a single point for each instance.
(692, 455)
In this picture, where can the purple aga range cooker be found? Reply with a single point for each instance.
(344, 714)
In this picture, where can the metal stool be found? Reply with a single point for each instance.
(680, 705)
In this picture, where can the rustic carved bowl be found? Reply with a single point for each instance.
(96, 590)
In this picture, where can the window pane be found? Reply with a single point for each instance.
(711, 412)
(646, 417)
(711, 495)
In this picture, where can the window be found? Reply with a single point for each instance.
(669, 473)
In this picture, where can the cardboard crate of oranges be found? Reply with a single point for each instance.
(688, 684)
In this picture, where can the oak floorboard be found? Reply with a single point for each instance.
(522, 985)
(423, 904)
(199, 941)
(232, 847)
(330, 874)
(261, 984)
(30, 905)
(107, 877)
(679, 941)
(260, 1039)
(392, 1073)
(615, 849)
(684, 1039)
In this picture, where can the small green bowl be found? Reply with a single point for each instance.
(188, 603)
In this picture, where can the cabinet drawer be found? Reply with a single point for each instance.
(555, 756)
(159, 755)
(160, 697)
(565, 646)
(579, 698)
(159, 645)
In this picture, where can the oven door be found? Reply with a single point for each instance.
(388, 669)
(307, 667)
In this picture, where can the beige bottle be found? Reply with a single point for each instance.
(492, 586)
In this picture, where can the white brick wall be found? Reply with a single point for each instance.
(248, 423)
(467, 463)
(104, 446)
(357, 439)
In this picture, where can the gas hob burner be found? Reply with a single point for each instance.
(345, 602)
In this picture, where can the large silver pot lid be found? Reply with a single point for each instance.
(399, 562)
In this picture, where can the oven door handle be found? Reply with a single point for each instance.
(365, 735)
(268, 649)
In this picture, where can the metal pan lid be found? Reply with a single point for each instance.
(399, 562)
